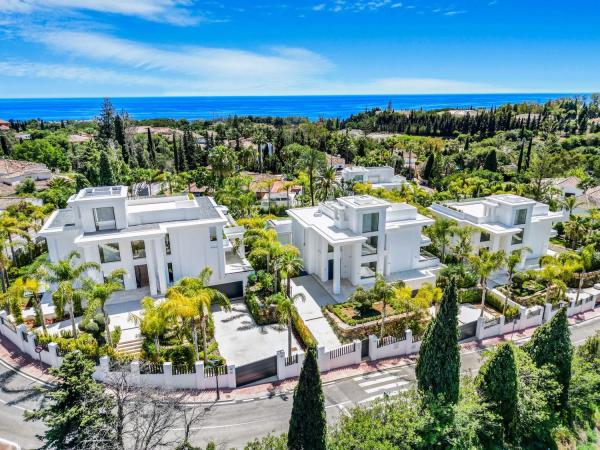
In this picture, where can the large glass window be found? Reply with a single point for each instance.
(329, 249)
(109, 252)
(138, 248)
(368, 270)
(370, 222)
(104, 218)
(168, 244)
(521, 217)
(170, 272)
(370, 247)
(517, 238)
(484, 237)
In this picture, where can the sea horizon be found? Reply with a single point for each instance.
(214, 107)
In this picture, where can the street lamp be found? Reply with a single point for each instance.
(214, 364)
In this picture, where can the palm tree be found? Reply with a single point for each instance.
(290, 264)
(585, 257)
(9, 227)
(191, 300)
(576, 231)
(512, 261)
(285, 309)
(15, 298)
(570, 203)
(97, 295)
(484, 265)
(34, 281)
(463, 246)
(153, 322)
(265, 248)
(327, 182)
(66, 273)
(268, 185)
(386, 294)
(440, 233)
(556, 271)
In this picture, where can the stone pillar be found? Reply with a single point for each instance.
(199, 365)
(136, 378)
(323, 260)
(54, 358)
(231, 381)
(161, 265)
(356, 255)
(168, 375)
(336, 269)
(547, 312)
(151, 264)
(373, 347)
(220, 272)
(323, 359)
(280, 355)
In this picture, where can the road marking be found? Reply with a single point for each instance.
(248, 400)
(337, 405)
(386, 386)
(370, 376)
(377, 397)
(377, 381)
(14, 406)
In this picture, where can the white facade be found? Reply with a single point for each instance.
(505, 222)
(378, 177)
(157, 240)
(353, 238)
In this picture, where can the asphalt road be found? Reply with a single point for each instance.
(234, 424)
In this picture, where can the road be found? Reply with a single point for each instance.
(234, 424)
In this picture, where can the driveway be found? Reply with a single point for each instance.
(315, 297)
(242, 341)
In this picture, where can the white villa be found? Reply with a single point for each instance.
(347, 241)
(378, 177)
(157, 240)
(504, 222)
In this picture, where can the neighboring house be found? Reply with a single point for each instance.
(5, 202)
(378, 177)
(568, 186)
(12, 171)
(349, 240)
(79, 138)
(504, 222)
(4, 125)
(337, 162)
(157, 240)
(23, 136)
(280, 196)
(590, 198)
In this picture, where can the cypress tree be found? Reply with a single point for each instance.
(520, 162)
(151, 150)
(551, 344)
(428, 166)
(497, 382)
(491, 161)
(176, 162)
(528, 158)
(79, 411)
(308, 423)
(439, 359)
(4, 146)
(105, 176)
(106, 121)
(120, 130)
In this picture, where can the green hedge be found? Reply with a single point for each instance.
(473, 296)
(302, 332)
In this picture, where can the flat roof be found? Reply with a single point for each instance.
(325, 226)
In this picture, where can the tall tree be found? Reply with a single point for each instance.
(311, 161)
(189, 149)
(551, 345)
(106, 121)
(105, 175)
(484, 264)
(78, 414)
(497, 382)
(120, 125)
(150, 147)
(176, 156)
(428, 170)
(439, 358)
(4, 146)
(491, 161)
(308, 423)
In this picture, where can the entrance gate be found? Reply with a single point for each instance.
(255, 371)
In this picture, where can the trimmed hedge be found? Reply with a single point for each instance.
(302, 332)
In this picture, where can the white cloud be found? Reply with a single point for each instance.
(319, 7)
(454, 13)
(168, 11)
(396, 5)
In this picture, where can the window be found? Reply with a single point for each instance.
(104, 218)
(109, 252)
(212, 231)
(170, 272)
(368, 270)
(138, 248)
(358, 178)
(521, 217)
(167, 244)
(517, 238)
(370, 222)
(329, 249)
(120, 279)
(484, 237)
(370, 247)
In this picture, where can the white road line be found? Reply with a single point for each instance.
(386, 386)
(370, 376)
(377, 381)
(14, 406)
(248, 400)
(338, 405)
(376, 397)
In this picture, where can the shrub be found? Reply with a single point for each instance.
(179, 354)
(302, 332)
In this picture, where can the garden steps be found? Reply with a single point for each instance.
(130, 347)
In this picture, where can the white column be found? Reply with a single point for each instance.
(161, 266)
(356, 255)
(323, 259)
(220, 272)
(151, 263)
(336, 269)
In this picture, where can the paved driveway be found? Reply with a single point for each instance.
(242, 341)
(315, 297)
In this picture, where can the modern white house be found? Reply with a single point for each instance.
(378, 177)
(157, 240)
(347, 241)
(504, 222)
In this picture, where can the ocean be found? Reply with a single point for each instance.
(311, 106)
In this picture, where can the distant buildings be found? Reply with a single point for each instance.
(378, 177)
(504, 222)
(349, 240)
(12, 171)
(157, 240)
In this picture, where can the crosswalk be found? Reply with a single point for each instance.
(379, 384)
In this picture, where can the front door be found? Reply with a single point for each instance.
(141, 275)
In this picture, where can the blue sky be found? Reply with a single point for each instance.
(74, 48)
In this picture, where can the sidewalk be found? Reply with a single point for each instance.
(13, 357)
